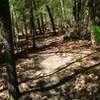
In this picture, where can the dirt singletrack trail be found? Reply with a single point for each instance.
(61, 71)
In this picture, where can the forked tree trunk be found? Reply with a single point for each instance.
(9, 50)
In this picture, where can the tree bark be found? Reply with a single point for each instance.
(9, 50)
(25, 26)
(32, 24)
(52, 20)
(42, 24)
(77, 12)
(37, 17)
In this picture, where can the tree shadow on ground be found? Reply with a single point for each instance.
(29, 68)
(44, 88)
(62, 68)
(23, 54)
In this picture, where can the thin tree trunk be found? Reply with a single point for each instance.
(63, 15)
(16, 22)
(92, 16)
(52, 20)
(25, 26)
(77, 11)
(39, 26)
(85, 20)
(22, 29)
(42, 24)
(37, 17)
(9, 50)
(32, 24)
(13, 27)
(62, 8)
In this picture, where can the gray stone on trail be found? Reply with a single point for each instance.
(53, 62)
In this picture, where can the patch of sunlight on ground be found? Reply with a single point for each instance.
(53, 62)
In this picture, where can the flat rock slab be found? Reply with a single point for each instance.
(53, 62)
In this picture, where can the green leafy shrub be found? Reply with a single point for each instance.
(96, 32)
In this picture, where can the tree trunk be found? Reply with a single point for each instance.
(42, 24)
(9, 50)
(92, 11)
(13, 27)
(39, 26)
(37, 17)
(32, 24)
(62, 9)
(63, 15)
(77, 12)
(52, 20)
(25, 26)
(16, 23)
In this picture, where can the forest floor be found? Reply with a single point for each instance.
(62, 70)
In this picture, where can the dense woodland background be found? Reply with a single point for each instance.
(50, 50)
